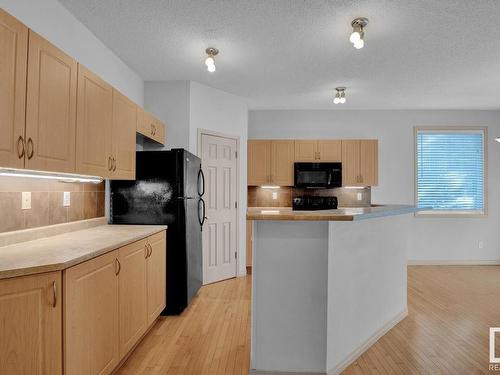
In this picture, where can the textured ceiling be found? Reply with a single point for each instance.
(440, 54)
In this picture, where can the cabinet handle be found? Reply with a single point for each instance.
(20, 142)
(30, 148)
(150, 250)
(146, 251)
(153, 129)
(54, 291)
(110, 166)
(117, 263)
(114, 164)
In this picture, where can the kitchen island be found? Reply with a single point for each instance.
(326, 285)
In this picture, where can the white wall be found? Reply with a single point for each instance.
(55, 23)
(186, 107)
(169, 101)
(435, 239)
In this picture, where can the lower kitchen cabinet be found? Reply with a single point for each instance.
(91, 312)
(31, 324)
(156, 276)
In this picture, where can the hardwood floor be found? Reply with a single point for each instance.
(446, 331)
(212, 336)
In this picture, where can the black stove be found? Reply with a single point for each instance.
(312, 203)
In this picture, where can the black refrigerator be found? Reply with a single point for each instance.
(168, 190)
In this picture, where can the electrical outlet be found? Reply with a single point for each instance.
(480, 244)
(26, 200)
(275, 195)
(360, 196)
(66, 198)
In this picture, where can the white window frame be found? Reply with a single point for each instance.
(453, 213)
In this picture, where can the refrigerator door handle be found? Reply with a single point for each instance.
(201, 178)
(201, 216)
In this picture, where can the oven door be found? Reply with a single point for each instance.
(317, 175)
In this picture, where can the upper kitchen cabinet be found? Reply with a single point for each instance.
(123, 137)
(282, 158)
(360, 162)
(318, 151)
(50, 107)
(270, 162)
(150, 127)
(13, 63)
(259, 162)
(93, 124)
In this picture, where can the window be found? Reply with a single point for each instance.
(450, 170)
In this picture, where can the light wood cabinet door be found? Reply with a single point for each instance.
(330, 151)
(369, 162)
(351, 162)
(282, 159)
(31, 325)
(93, 124)
(132, 298)
(306, 151)
(150, 127)
(259, 162)
(13, 63)
(123, 137)
(156, 276)
(50, 107)
(91, 309)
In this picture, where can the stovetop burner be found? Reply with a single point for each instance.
(311, 203)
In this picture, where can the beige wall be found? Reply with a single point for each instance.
(87, 201)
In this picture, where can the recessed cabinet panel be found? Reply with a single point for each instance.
(123, 137)
(259, 162)
(360, 162)
(306, 151)
(13, 63)
(282, 158)
(330, 151)
(50, 107)
(94, 124)
(156, 281)
(369, 162)
(31, 325)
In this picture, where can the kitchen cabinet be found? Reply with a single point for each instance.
(132, 287)
(270, 162)
(318, 151)
(259, 162)
(13, 63)
(156, 276)
(123, 137)
(31, 325)
(50, 107)
(282, 158)
(91, 306)
(360, 162)
(150, 127)
(94, 120)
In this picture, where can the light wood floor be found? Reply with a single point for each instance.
(446, 331)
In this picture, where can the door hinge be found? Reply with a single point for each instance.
(235, 255)
(236, 154)
(235, 204)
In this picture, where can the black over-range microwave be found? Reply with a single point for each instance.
(317, 175)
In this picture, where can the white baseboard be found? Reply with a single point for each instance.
(353, 356)
(454, 262)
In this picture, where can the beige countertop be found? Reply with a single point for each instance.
(340, 214)
(62, 251)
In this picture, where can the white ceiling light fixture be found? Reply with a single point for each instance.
(358, 34)
(210, 60)
(339, 96)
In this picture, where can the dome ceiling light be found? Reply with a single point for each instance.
(358, 34)
(210, 60)
(339, 96)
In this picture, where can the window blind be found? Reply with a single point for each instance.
(450, 170)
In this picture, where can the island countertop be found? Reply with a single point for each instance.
(58, 252)
(340, 214)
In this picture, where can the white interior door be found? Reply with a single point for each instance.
(219, 165)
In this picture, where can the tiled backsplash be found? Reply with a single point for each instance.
(86, 202)
(258, 197)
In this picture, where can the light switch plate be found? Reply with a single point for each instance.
(360, 196)
(66, 198)
(275, 195)
(26, 200)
